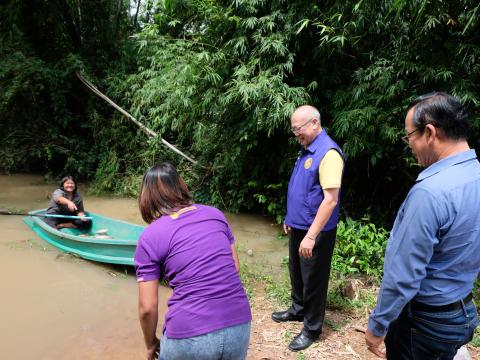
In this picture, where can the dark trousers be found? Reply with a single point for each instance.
(80, 224)
(309, 279)
(423, 335)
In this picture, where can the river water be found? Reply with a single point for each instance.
(56, 306)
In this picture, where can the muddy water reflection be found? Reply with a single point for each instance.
(56, 306)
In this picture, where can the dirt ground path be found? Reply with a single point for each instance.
(269, 340)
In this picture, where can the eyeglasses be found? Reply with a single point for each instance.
(406, 137)
(296, 130)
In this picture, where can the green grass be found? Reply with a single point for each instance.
(278, 288)
(300, 356)
(476, 338)
(250, 276)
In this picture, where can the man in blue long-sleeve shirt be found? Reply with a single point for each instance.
(424, 308)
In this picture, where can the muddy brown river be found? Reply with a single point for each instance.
(56, 306)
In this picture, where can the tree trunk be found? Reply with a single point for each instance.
(136, 13)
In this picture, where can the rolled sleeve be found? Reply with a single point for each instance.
(377, 328)
(409, 251)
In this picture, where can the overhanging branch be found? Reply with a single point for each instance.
(145, 129)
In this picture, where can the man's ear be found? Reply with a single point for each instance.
(431, 132)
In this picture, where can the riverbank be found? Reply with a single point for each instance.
(57, 306)
(342, 337)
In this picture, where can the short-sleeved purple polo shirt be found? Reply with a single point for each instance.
(193, 251)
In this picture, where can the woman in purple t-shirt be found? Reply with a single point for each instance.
(192, 246)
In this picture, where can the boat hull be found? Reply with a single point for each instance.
(118, 247)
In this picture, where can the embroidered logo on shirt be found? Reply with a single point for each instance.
(308, 163)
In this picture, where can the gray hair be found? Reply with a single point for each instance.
(316, 114)
(308, 111)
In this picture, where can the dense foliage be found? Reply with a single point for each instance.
(360, 249)
(48, 123)
(220, 79)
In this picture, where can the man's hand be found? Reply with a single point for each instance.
(153, 350)
(373, 344)
(306, 247)
(286, 229)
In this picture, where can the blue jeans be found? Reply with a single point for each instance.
(421, 335)
(227, 344)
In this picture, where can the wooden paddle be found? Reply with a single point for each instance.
(7, 212)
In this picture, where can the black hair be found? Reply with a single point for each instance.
(65, 178)
(443, 111)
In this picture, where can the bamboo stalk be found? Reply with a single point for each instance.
(145, 129)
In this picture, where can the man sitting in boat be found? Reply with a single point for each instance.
(67, 201)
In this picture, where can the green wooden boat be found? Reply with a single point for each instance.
(109, 240)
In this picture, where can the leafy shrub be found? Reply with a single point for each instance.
(360, 248)
(219, 79)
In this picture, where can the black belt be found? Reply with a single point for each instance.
(418, 306)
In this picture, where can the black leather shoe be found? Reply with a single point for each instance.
(283, 316)
(301, 342)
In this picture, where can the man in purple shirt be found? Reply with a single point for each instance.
(424, 308)
(313, 202)
(192, 247)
